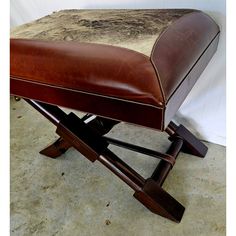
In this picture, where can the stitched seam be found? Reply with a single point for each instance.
(190, 70)
(163, 118)
(95, 94)
(160, 129)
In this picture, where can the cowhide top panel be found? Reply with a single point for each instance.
(132, 29)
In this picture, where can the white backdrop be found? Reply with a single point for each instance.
(203, 112)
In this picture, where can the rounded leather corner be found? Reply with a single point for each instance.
(178, 48)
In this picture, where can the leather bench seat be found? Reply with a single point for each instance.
(136, 66)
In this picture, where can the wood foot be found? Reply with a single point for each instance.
(191, 145)
(59, 147)
(159, 201)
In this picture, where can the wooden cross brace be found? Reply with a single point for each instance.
(87, 136)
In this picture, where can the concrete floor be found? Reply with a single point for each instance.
(70, 196)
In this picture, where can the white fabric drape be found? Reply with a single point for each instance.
(203, 112)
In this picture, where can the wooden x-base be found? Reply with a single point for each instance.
(87, 136)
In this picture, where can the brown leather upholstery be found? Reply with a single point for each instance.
(105, 70)
(180, 55)
(117, 82)
(179, 47)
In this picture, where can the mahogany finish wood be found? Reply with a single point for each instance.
(191, 144)
(163, 168)
(122, 170)
(56, 149)
(165, 157)
(60, 146)
(87, 136)
(158, 201)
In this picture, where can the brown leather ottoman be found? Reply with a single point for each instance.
(134, 66)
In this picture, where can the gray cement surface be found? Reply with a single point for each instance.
(70, 196)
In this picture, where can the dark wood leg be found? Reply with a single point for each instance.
(88, 138)
(191, 144)
(60, 146)
(148, 192)
(154, 197)
(163, 168)
(158, 201)
(56, 149)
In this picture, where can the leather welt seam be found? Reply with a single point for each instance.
(84, 92)
(153, 49)
(192, 67)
